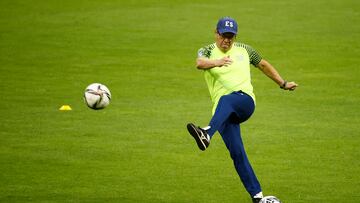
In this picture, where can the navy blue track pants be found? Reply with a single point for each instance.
(232, 110)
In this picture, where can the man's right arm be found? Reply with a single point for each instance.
(204, 63)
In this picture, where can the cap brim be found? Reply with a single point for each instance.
(222, 31)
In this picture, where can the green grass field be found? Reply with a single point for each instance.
(304, 145)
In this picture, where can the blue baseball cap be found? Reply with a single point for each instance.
(227, 24)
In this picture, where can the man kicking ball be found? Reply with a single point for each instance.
(226, 66)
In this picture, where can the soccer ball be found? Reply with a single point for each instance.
(97, 96)
(270, 199)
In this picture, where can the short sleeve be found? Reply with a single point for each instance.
(255, 57)
(206, 51)
(202, 53)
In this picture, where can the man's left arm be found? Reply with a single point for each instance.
(272, 73)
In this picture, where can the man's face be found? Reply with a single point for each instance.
(224, 41)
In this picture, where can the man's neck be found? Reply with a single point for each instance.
(222, 50)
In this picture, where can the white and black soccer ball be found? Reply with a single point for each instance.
(270, 199)
(97, 96)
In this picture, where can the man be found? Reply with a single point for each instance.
(226, 66)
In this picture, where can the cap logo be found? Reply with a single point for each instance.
(229, 24)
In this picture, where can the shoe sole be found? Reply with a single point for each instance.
(193, 132)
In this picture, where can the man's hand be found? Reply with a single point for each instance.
(290, 86)
(225, 61)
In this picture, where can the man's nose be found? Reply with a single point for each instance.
(227, 40)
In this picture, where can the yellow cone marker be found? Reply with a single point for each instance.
(65, 108)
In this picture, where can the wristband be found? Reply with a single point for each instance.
(283, 85)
